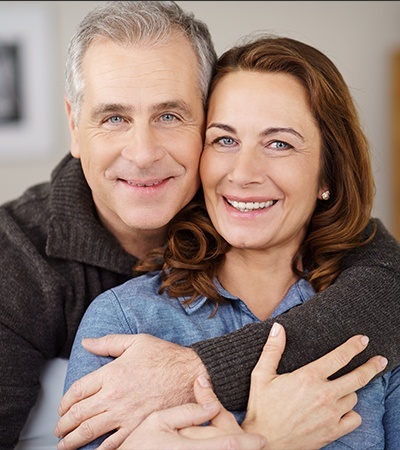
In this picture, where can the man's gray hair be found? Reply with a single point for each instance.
(137, 22)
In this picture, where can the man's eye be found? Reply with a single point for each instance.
(168, 117)
(115, 120)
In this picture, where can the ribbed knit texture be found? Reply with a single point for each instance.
(55, 259)
(365, 299)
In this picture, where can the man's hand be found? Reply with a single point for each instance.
(303, 409)
(149, 374)
(178, 428)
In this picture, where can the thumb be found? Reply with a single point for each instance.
(110, 345)
(204, 393)
(272, 352)
(205, 396)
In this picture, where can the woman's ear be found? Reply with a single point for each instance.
(324, 193)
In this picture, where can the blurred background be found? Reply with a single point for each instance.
(360, 37)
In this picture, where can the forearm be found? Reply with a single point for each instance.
(348, 307)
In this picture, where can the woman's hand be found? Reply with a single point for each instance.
(304, 409)
(178, 427)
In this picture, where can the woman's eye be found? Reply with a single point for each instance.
(280, 145)
(224, 141)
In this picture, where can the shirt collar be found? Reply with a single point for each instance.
(298, 293)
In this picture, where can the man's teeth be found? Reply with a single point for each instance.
(131, 183)
(250, 206)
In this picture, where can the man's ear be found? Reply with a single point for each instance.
(73, 129)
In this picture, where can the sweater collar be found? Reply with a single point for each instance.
(75, 232)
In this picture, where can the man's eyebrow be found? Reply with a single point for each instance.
(177, 105)
(120, 108)
(107, 108)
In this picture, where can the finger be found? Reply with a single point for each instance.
(87, 432)
(203, 391)
(115, 440)
(272, 352)
(346, 404)
(361, 376)
(338, 358)
(348, 423)
(184, 416)
(205, 396)
(246, 441)
(110, 345)
(83, 388)
(91, 407)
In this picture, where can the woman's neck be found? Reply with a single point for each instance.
(260, 279)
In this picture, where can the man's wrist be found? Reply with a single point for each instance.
(188, 367)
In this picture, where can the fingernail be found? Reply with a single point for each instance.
(276, 328)
(365, 340)
(384, 362)
(203, 381)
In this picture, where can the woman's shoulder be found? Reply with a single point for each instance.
(142, 285)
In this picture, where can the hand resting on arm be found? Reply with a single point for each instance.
(335, 398)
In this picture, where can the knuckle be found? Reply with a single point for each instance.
(256, 374)
(306, 379)
(77, 412)
(111, 443)
(77, 389)
(354, 420)
(354, 399)
(116, 393)
(342, 357)
(326, 398)
(86, 431)
(362, 377)
(230, 443)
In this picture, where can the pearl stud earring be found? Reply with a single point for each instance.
(325, 195)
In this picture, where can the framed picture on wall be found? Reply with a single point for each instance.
(26, 81)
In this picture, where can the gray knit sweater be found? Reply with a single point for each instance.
(56, 258)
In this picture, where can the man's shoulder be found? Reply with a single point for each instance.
(27, 211)
(383, 249)
(35, 200)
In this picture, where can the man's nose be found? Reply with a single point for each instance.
(143, 147)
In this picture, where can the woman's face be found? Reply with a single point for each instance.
(261, 162)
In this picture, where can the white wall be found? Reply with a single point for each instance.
(358, 36)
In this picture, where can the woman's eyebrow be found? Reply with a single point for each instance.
(221, 126)
(272, 130)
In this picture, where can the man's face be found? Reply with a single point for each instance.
(139, 135)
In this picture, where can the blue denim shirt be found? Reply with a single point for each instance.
(137, 307)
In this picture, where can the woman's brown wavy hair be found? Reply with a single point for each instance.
(195, 251)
